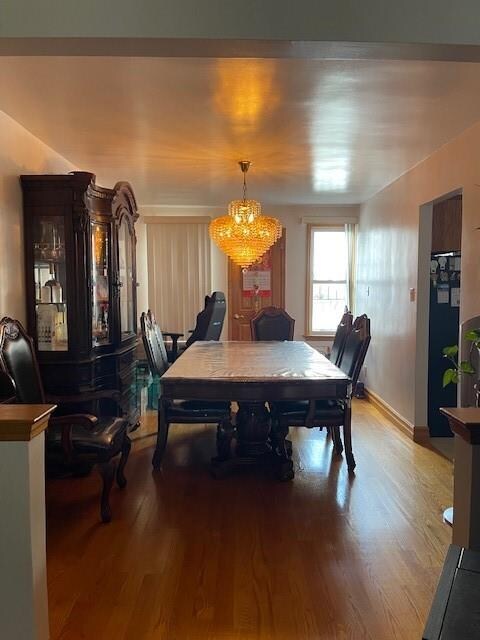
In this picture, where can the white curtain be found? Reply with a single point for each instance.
(351, 235)
(179, 272)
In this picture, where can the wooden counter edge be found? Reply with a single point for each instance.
(464, 422)
(23, 422)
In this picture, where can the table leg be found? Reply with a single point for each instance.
(253, 448)
(253, 428)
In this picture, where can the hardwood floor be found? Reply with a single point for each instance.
(187, 557)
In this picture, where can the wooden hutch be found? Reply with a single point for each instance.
(81, 287)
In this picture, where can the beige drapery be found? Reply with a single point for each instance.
(351, 235)
(179, 272)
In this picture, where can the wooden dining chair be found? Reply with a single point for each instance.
(73, 440)
(343, 329)
(179, 411)
(329, 412)
(272, 323)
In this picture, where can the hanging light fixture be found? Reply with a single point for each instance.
(245, 234)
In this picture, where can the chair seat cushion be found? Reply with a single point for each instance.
(194, 409)
(327, 410)
(105, 440)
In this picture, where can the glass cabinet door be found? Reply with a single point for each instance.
(101, 307)
(50, 276)
(125, 268)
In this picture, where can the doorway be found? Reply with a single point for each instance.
(438, 311)
(249, 290)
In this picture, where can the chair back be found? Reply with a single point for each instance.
(19, 362)
(341, 334)
(209, 323)
(272, 323)
(154, 345)
(355, 350)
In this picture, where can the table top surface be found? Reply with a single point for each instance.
(469, 416)
(253, 362)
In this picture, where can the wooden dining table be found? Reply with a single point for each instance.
(254, 374)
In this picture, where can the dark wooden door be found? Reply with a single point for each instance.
(249, 290)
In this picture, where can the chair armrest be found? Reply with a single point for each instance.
(174, 337)
(7, 388)
(78, 398)
(66, 424)
(83, 419)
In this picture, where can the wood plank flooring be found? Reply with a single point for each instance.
(188, 557)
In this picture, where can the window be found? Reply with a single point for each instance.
(329, 277)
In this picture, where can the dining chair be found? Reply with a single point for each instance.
(180, 411)
(209, 323)
(343, 329)
(74, 441)
(272, 323)
(329, 412)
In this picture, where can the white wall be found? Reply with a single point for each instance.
(409, 21)
(296, 261)
(20, 153)
(388, 259)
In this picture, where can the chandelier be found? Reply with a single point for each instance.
(245, 234)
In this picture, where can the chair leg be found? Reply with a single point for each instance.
(282, 448)
(107, 471)
(127, 445)
(347, 436)
(162, 436)
(337, 440)
(278, 438)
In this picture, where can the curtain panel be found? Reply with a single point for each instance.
(179, 272)
(351, 235)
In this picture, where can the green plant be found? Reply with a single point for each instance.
(452, 374)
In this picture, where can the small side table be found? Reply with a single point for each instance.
(465, 424)
(23, 576)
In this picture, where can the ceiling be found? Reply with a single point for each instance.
(317, 131)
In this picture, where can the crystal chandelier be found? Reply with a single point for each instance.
(245, 234)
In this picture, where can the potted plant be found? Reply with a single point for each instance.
(464, 367)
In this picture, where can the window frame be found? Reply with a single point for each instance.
(311, 228)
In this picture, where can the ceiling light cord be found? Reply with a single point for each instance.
(244, 166)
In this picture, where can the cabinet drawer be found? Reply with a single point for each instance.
(126, 360)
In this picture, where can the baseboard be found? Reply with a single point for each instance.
(415, 433)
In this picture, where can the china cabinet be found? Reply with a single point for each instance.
(81, 286)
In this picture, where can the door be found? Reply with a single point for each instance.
(444, 310)
(249, 290)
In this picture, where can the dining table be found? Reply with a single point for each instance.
(254, 375)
